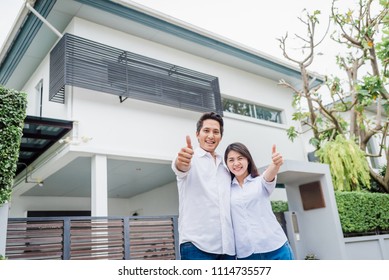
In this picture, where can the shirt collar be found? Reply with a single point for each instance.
(248, 178)
(203, 153)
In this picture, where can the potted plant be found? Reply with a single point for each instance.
(12, 114)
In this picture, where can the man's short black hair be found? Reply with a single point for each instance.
(212, 116)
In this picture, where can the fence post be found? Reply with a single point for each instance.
(66, 238)
(176, 238)
(126, 232)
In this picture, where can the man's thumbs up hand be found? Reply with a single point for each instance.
(188, 142)
(185, 156)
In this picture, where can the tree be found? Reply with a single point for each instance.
(364, 31)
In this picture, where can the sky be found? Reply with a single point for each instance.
(253, 23)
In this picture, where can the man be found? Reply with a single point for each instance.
(205, 227)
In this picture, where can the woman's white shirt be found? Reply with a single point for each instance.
(256, 228)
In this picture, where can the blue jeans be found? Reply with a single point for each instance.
(282, 253)
(189, 251)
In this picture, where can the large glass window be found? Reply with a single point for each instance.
(251, 110)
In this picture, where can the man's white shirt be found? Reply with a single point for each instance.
(204, 204)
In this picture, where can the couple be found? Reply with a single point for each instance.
(226, 214)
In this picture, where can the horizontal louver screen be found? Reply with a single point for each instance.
(83, 63)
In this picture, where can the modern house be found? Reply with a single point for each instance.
(114, 88)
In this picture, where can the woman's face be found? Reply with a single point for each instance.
(237, 164)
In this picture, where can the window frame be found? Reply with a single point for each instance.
(252, 110)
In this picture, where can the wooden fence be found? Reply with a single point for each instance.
(92, 238)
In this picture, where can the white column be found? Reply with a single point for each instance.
(4, 210)
(99, 186)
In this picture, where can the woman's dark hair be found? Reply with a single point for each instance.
(212, 116)
(242, 149)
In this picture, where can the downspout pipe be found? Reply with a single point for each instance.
(38, 15)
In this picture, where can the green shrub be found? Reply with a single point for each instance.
(279, 206)
(12, 114)
(361, 212)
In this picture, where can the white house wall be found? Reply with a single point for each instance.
(49, 109)
(160, 201)
(21, 204)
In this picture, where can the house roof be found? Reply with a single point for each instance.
(30, 39)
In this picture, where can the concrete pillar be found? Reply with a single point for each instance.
(99, 186)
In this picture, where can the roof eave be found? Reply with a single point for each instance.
(15, 28)
(158, 21)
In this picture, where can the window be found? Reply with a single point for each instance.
(251, 110)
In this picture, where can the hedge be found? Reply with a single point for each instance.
(13, 106)
(359, 212)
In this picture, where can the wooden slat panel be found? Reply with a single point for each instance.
(30, 256)
(33, 234)
(118, 223)
(34, 224)
(34, 240)
(99, 257)
(103, 250)
(27, 248)
(90, 244)
(150, 241)
(153, 247)
(151, 234)
(146, 229)
(153, 254)
(150, 222)
(38, 240)
(94, 238)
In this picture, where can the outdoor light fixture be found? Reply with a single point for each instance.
(37, 181)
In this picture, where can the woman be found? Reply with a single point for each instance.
(258, 234)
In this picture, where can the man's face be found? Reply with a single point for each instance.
(209, 136)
